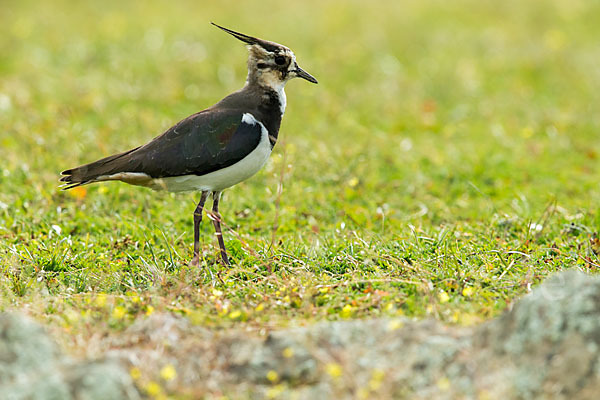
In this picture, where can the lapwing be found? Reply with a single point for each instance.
(215, 148)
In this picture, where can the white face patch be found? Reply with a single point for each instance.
(292, 65)
(272, 77)
(271, 80)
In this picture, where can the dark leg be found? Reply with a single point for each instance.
(197, 220)
(216, 219)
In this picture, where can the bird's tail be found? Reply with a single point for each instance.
(93, 172)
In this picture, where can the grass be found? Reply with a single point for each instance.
(446, 162)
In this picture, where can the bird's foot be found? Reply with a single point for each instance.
(225, 260)
(195, 261)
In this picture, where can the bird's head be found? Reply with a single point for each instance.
(269, 64)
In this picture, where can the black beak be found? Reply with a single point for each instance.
(304, 75)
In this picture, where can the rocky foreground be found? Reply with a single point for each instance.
(547, 346)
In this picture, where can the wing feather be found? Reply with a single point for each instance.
(202, 143)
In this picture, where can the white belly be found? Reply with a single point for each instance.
(226, 177)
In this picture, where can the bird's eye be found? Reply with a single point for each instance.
(279, 60)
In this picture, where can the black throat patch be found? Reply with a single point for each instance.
(270, 113)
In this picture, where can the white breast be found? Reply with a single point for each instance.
(226, 177)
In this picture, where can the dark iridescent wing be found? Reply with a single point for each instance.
(202, 143)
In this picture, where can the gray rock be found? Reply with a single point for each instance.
(24, 346)
(32, 367)
(547, 346)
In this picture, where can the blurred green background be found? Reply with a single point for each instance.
(447, 159)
